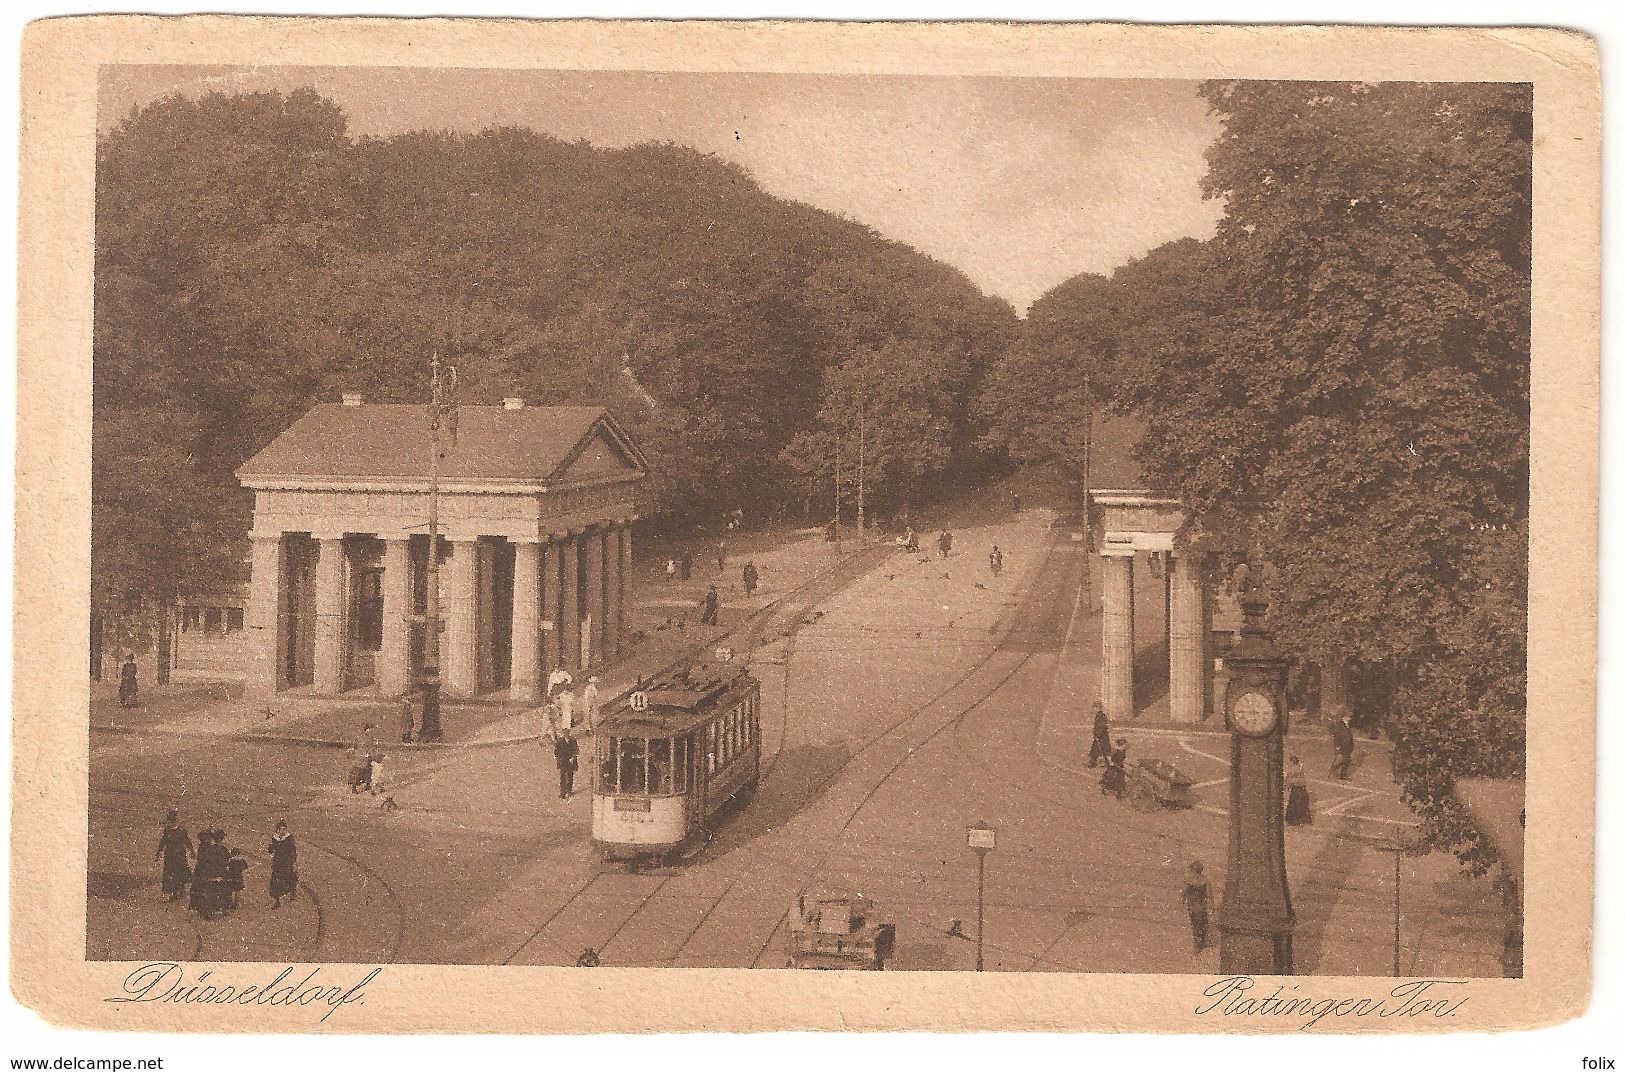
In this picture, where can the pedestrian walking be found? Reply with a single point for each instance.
(1197, 897)
(1342, 746)
(236, 868)
(912, 543)
(1297, 795)
(284, 853)
(127, 683)
(359, 765)
(196, 900)
(945, 542)
(211, 892)
(564, 708)
(589, 703)
(709, 607)
(1100, 745)
(1115, 778)
(722, 555)
(404, 710)
(995, 560)
(749, 578)
(566, 754)
(376, 779)
(175, 847)
(671, 569)
(686, 565)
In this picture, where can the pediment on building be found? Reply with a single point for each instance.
(603, 454)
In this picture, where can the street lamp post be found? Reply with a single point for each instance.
(442, 413)
(981, 839)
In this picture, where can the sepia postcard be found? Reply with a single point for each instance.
(556, 527)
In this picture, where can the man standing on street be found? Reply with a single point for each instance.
(1197, 898)
(1100, 746)
(565, 755)
(404, 709)
(1343, 744)
(709, 607)
(127, 682)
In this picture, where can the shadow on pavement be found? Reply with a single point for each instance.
(801, 777)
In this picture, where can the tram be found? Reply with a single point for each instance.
(672, 755)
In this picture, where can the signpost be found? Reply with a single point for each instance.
(981, 839)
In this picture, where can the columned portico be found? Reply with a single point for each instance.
(1117, 634)
(592, 599)
(330, 613)
(458, 658)
(622, 545)
(569, 546)
(266, 644)
(525, 675)
(535, 512)
(1189, 626)
(395, 651)
(1130, 523)
(552, 653)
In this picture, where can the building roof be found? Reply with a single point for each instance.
(390, 443)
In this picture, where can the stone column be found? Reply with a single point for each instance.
(526, 674)
(622, 549)
(1189, 625)
(592, 600)
(330, 616)
(550, 607)
(266, 640)
(569, 605)
(1117, 635)
(457, 598)
(394, 655)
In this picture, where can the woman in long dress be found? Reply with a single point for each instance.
(1297, 795)
(198, 901)
(175, 846)
(1115, 778)
(284, 864)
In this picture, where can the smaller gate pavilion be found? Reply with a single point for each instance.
(536, 512)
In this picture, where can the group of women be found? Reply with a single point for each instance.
(216, 873)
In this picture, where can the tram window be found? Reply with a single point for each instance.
(660, 766)
(606, 765)
(679, 765)
(632, 773)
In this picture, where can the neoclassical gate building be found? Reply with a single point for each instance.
(536, 512)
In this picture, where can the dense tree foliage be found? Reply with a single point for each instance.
(253, 259)
(1338, 382)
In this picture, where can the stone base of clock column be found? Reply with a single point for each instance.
(1245, 952)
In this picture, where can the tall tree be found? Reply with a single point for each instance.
(1339, 381)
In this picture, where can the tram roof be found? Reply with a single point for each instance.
(677, 702)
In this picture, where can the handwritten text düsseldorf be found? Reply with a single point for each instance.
(166, 982)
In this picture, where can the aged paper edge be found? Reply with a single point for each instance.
(50, 697)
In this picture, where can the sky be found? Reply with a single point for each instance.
(1020, 183)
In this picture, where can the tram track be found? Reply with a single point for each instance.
(367, 873)
(1001, 645)
(791, 609)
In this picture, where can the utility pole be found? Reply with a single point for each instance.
(862, 398)
(442, 414)
(837, 491)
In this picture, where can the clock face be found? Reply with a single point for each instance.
(1253, 713)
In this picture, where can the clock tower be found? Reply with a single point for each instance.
(1255, 918)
